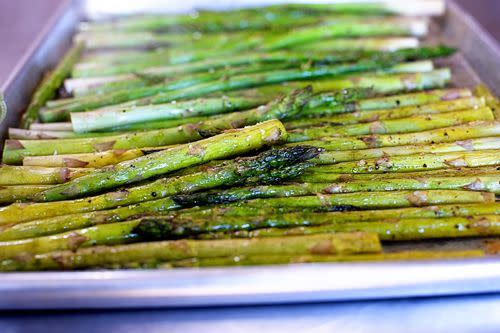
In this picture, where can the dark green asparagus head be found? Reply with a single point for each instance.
(286, 106)
(278, 157)
(217, 197)
(270, 167)
(160, 228)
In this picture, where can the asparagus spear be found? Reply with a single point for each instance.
(50, 84)
(313, 34)
(413, 229)
(483, 91)
(62, 126)
(240, 171)
(372, 200)
(66, 126)
(367, 43)
(411, 255)
(15, 150)
(362, 103)
(13, 193)
(379, 83)
(385, 114)
(418, 162)
(331, 157)
(24, 134)
(175, 250)
(415, 123)
(18, 175)
(318, 175)
(3, 107)
(384, 84)
(102, 120)
(476, 129)
(93, 160)
(217, 214)
(427, 8)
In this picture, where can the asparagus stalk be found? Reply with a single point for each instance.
(313, 34)
(156, 228)
(411, 255)
(331, 157)
(415, 123)
(372, 200)
(243, 40)
(476, 129)
(483, 91)
(18, 175)
(66, 126)
(427, 8)
(294, 218)
(62, 126)
(330, 100)
(175, 250)
(24, 134)
(385, 114)
(3, 108)
(104, 120)
(418, 162)
(93, 160)
(367, 43)
(319, 175)
(50, 84)
(13, 193)
(261, 168)
(383, 84)
(413, 229)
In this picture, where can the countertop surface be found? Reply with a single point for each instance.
(479, 313)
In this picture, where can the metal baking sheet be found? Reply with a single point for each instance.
(479, 58)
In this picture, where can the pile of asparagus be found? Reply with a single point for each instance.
(283, 134)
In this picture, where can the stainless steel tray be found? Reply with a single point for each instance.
(479, 58)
